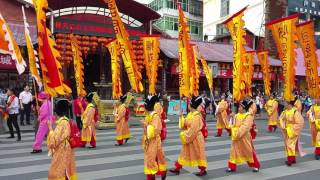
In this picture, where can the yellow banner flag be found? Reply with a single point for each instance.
(235, 25)
(151, 50)
(264, 62)
(125, 47)
(113, 48)
(33, 60)
(306, 33)
(248, 72)
(208, 71)
(284, 33)
(13, 46)
(48, 54)
(78, 66)
(194, 72)
(184, 55)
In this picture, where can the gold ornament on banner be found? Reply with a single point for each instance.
(305, 32)
(151, 49)
(235, 25)
(264, 62)
(125, 47)
(208, 71)
(78, 66)
(284, 33)
(194, 72)
(248, 72)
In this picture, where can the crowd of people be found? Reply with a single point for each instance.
(239, 124)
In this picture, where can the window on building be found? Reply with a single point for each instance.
(171, 23)
(195, 27)
(221, 30)
(196, 8)
(171, 4)
(305, 3)
(313, 4)
(224, 11)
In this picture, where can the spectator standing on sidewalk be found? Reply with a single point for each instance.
(13, 111)
(25, 98)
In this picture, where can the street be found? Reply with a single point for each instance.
(123, 163)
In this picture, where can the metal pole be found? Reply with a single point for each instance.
(52, 22)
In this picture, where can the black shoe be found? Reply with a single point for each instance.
(28, 123)
(92, 147)
(22, 124)
(201, 173)
(175, 171)
(217, 135)
(10, 137)
(19, 139)
(126, 141)
(36, 151)
(317, 157)
(230, 170)
(163, 177)
(255, 170)
(288, 163)
(274, 129)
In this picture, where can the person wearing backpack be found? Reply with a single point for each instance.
(242, 149)
(88, 132)
(193, 145)
(63, 163)
(291, 123)
(45, 115)
(154, 157)
(121, 120)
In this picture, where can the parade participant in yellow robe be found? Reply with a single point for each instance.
(88, 132)
(159, 109)
(121, 120)
(154, 157)
(253, 111)
(242, 149)
(63, 160)
(222, 116)
(314, 120)
(193, 145)
(291, 123)
(298, 105)
(272, 110)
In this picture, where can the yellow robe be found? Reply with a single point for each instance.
(272, 110)
(122, 126)
(291, 121)
(298, 105)
(89, 125)
(241, 147)
(193, 144)
(63, 160)
(222, 115)
(154, 157)
(315, 125)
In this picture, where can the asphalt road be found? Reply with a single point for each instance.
(126, 163)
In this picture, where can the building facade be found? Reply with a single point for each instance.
(169, 16)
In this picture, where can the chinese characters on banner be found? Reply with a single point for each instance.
(125, 47)
(264, 62)
(151, 50)
(48, 54)
(115, 69)
(78, 66)
(305, 33)
(194, 72)
(235, 25)
(284, 33)
(248, 71)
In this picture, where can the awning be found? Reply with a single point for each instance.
(300, 67)
(212, 52)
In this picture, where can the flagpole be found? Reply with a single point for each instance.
(35, 94)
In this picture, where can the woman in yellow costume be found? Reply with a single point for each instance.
(242, 149)
(193, 144)
(154, 157)
(63, 161)
(121, 120)
(314, 120)
(291, 123)
(222, 116)
(272, 110)
(253, 111)
(88, 132)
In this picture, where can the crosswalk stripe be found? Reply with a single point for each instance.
(102, 151)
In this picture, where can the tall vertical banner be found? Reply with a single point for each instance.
(284, 33)
(305, 32)
(208, 71)
(264, 62)
(235, 25)
(78, 66)
(125, 47)
(115, 69)
(48, 54)
(248, 72)
(33, 59)
(151, 50)
(194, 72)
(13, 46)
(184, 55)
